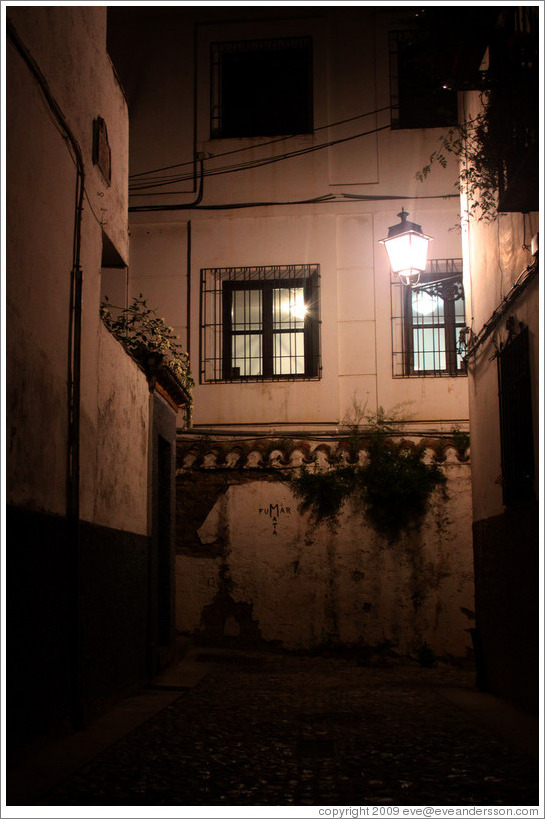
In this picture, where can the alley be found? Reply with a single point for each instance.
(261, 729)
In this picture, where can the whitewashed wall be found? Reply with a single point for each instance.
(168, 249)
(495, 256)
(69, 47)
(307, 587)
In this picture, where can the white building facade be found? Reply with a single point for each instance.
(271, 150)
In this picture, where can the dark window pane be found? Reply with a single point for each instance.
(419, 99)
(262, 88)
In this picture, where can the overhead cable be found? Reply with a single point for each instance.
(261, 144)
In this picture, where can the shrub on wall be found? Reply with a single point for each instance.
(392, 487)
(142, 332)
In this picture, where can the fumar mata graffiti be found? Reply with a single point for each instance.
(274, 512)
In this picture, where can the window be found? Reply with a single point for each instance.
(418, 97)
(260, 323)
(517, 442)
(426, 322)
(261, 87)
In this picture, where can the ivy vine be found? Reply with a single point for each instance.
(475, 146)
(393, 486)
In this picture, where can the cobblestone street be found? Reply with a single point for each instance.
(263, 730)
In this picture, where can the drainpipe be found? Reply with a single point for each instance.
(188, 296)
(187, 206)
(74, 377)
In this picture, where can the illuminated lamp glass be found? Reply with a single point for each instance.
(407, 248)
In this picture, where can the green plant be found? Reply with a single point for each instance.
(479, 151)
(140, 330)
(460, 439)
(393, 486)
(397, 485)
(324, 493)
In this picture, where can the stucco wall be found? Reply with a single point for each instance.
(68, 47)
(254, 568)
(496, 255)
(120, 488)
(351, 81)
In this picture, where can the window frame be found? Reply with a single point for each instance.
(216, 350)
(268, 331)
(217, 96)
(439, 273)
(398, 40)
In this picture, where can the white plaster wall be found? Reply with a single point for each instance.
(495, 256)
(164, 285)
(120, 485)
(351, 77)
(69, 46)
(485, 413)
(238, 242)
(37, 293)
(308, 586)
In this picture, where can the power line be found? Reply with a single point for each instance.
(259, 163)
(262, 144)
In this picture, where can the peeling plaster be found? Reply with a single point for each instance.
(254, 574)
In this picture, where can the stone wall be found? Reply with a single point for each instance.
(251, 569)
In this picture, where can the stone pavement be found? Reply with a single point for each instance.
(263, 729)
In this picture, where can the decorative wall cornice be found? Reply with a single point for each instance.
(282, 453)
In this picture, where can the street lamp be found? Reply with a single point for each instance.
(407, 248)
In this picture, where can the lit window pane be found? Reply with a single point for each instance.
(247, 355)
(429, 348)
(460, 311)
(288, 308)
(247, 310)
(289, 354)
(427, 309)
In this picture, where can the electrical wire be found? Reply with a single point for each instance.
(520, 285)
(261, 144)
(259, 163)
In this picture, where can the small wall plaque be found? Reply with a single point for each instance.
(101, 149)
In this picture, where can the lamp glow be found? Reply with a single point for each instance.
(424, 304)
(298, 307)
(407, 248)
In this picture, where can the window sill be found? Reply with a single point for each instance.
(258, 379)
(433, 374)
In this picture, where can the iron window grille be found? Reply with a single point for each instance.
(516, 428)
(260, 323)
(418, 100)
(261, 88)
(426, 322)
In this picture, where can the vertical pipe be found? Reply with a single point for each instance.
(188, 306)
(74, 374)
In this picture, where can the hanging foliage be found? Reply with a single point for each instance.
(142, 332)
(392, 487)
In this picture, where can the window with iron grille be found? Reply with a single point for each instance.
(261, 88)
(426, 322)
(418, 97)
(516, 428)
(260, 323)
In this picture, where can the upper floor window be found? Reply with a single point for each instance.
(426, 322)
(261, 87)
(260, 323)
(419, 99)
